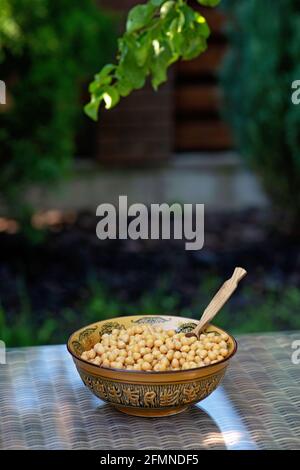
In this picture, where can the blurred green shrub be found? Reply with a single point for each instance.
(48, 49)
(273, 310)
(262, 62)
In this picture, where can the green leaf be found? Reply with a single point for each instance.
(160, 65)
(124, 87)
(130, 71)
(139, 16)
(105, 72)
(209, 3)
(142, 50)
(189, 15)
(96, 87)
(195, 44)
(157, 34)
(91, 109)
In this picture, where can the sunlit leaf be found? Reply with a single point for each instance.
(111, 97)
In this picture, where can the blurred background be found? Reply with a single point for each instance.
(222, 131)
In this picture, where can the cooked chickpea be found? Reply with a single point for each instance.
(177, 355)
(148, 358)
(170, 344)
(192, 340)
(129, 361)
(190, 356)
(165, 361)
(97, 360)
(223, 352)
(185, 366)
(120, 359)
(170, 354)
(175, 363)
(148, 348)
(202, 353)
(136, 356)
(192, 365)
(212, 355)
(99, 349)
(125, 338)
(112, 356)
(145, 351)
(91, 354)
(85, 356)
(146, 366)
(149, 342)
(185, 340)
(163, 367)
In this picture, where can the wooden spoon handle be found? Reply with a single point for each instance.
(221, 297)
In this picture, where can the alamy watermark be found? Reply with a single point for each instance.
(160, 221)
(2, 92)
(296, 92)
(296, 353)
(2, 352)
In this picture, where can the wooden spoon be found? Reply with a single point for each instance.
(217, 302)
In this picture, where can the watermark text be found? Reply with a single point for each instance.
(296, 92)
(296, 354)
(2, 92)
(160, 221)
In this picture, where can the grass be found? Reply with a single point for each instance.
(248, 312)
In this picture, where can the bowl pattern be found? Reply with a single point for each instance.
(151, 396)
(146, 393)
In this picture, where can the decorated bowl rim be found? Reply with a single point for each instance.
(152, 372)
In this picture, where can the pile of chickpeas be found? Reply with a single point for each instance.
(150, 348)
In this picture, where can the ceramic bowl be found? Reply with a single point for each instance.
(146, 393)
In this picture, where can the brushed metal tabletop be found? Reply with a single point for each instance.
(44, 405)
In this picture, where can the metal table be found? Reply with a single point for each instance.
(44, 405)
